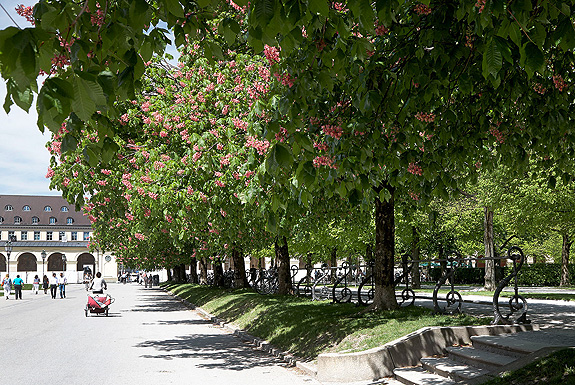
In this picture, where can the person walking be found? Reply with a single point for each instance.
(98, 284)
(62, 281)
(53, 285)
(45, 284)
(36, 284)
(18, 283)
(7, 285)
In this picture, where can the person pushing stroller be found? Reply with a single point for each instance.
(98, 284)
(97, 302)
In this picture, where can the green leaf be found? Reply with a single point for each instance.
(532, 58)
(319, 7)
(279, 157)
(86, 95)
(174, 7)
(264, 11)
(308, 174)
(91, 155)
(492, 59)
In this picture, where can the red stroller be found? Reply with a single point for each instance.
(98, 303)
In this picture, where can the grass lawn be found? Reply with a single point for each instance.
(556, 369)
(306, 328)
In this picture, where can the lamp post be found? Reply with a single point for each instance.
(43, 261)
(8, 248)
(63, 262)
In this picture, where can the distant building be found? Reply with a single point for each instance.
(37, 224)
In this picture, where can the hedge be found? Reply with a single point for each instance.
(538, 274)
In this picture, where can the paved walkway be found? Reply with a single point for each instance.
(149, 338)
(546, 313)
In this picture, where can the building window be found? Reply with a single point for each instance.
(35, 220)
(62, 236)
(86, 235)
(23, 235)
(10, 235)
(47, 208)
(17, 220)
(69, 221)
(8, 208)
(26, 208)
(52, 220)
(64, 209)
(48, 235)
(36, 235)
(74, 235)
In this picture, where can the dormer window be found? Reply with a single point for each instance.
(64, 209)
(17, 220)
(1, 219)
(52, 220)
(35, 220)
(8, 208)
(69, 221)
(26, 208)
(48, 209)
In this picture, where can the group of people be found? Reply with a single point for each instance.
(53, 283)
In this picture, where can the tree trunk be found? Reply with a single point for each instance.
(203, 271)
(415, 275)
(368, 253)
(169, 271)
(565, 276)
(194, 270)
(240, 279)
(218, 273)
(384, 297)
(490, 281)
(333, 265)
(282, 260)
(180, 273)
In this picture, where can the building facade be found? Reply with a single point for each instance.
(48, 235)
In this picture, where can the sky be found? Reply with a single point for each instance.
(24, 159)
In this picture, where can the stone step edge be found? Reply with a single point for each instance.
(498, 348)
(306, 367)
(413, 376)
(481, 358)
(440, 366)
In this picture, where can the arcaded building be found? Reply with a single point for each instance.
(48, 235)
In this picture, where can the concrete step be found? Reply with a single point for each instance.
(448, 368)
(419, 376)
(520, 344)
(479, 358)
(507, 347)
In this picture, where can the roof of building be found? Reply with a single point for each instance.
(42, 207)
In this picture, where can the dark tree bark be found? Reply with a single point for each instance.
(240, 281)
(169, 271)
(203, 271)
(282, 260)
(415, 275)
(218, 273)
(384, 298)
(565, 250)
(490, 280)
(333, 264)
(180, 273)
(194, 270)
(368, 253)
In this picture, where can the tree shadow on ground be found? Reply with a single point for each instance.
(223, 352)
